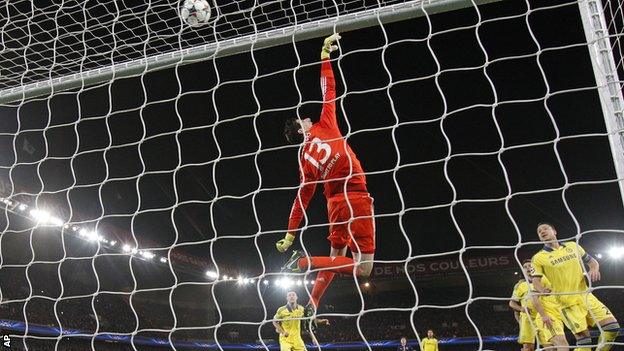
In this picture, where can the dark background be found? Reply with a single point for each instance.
(473, 126)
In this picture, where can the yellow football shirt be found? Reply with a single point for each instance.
(429, 344)
(564, 270)
(521, 294)
(549, 302)
(290, 322)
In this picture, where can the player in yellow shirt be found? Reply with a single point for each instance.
(429, 343)
(522, 304)
(561, 264)
(548, 320)
(287, 323)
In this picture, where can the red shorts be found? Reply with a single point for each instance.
(351, 228)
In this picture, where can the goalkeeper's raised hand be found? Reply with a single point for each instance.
(285, 243)
(328, 46)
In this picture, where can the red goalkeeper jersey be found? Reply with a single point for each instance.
(325, 156)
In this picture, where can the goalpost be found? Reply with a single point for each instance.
(602, 40)
(92, 236)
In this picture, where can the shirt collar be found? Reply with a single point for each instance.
(550, 249)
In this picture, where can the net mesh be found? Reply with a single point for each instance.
(143, 211)
(50, 41)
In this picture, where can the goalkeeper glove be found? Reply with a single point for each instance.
(285, 243)
(328, 46)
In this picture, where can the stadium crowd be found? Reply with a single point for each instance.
(115, 315)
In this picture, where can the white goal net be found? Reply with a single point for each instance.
(145, 177)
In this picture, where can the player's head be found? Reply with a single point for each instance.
(430, 333)
(403, 340)
(527, 267)
(295, 128)
(291, 297)
(546, 232)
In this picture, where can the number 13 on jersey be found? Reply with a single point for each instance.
(323, 151)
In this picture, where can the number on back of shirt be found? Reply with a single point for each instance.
(323, 151)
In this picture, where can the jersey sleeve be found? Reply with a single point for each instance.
(278, 313)
(328, 88)
(585, 257)
(304, 194)
(436, 344)
(546, 283)
(515, 295)
(538, 266)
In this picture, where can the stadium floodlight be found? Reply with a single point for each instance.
(82, 232)
(214, 275)
(134, 251)
(265, 282)
(113, 243)
(252, 281)
(126, 248)
(616, 252)
(55, 221)
(367, 285)
(598, 255)
(147, 255)
(163, 259)
(246, 281)
(286, 283)
(225, 277)
(91, 236)
(39, 216)
(22, 207)
(299, 282)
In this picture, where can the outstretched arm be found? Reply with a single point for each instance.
(328, 84)
(299, 206)
(298, 209)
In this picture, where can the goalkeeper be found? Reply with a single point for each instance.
(325, 157)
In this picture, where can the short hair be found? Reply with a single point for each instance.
(526, 260)
(429, 330)
(291, 131)
(548, 224)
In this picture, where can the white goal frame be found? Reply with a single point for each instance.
(607, 81)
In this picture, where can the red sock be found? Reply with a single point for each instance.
(331, 264)
(323, 279)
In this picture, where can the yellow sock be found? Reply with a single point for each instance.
(606, 336)
(582, 342)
